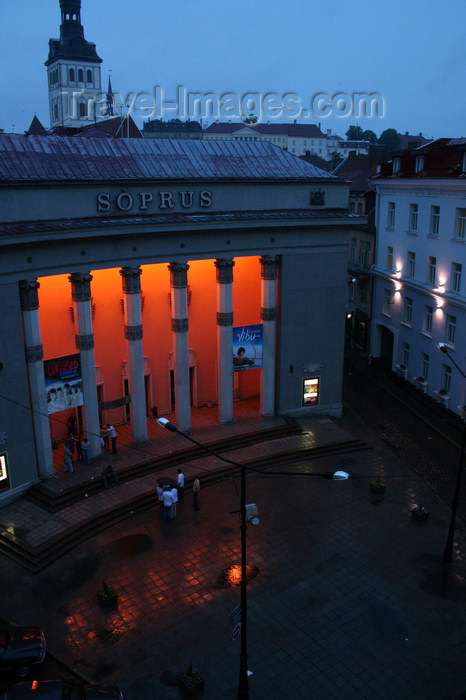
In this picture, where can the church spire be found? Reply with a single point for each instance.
(110, 112)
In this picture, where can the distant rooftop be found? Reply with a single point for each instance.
(299, 130)
(68, 159)
(442, 158)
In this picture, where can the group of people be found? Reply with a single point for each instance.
(74, 441)
(169, 495)
(107, 433)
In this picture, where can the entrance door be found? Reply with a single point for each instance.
(386, 347)
(172, 388)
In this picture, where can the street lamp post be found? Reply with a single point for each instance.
(243, 682)
(448, 553)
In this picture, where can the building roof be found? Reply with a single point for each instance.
(119, 127)
(358, 169)
(65, 159)
(36, 128)
(443, 158)
(171, 126)
(71, 44)
(298, 130)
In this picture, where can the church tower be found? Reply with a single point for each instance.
(73, 71)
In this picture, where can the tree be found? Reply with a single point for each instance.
(370, 136)
(390, 139)
(354, 133)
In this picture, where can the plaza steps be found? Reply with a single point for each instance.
(37, 558)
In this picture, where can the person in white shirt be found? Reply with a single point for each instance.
(112, 434)
(180, 485)
(174, 493)
(167, 499)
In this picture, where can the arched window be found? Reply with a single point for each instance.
(80, 75)
(89, 76)
(71, 75)
(82, 109)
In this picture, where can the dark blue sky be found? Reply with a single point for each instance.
(409, 53)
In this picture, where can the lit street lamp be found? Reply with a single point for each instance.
(448, 553)
(243, 683)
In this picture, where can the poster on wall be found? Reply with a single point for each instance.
(4, 478)
(310, 391)
(63, 383)
(247, 347)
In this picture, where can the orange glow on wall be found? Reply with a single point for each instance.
(110, 346)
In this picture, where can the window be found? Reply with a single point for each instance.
(396, 164)
(408, 310)
(434, 220)
(365, 253)
(359, 207)
(387, 300)
(405, 354)
(80, 75)
(351, 207)
(411, 264)
(456, 270)
(431, 270)
(460, 226)
(71, 74)
(363, 295)
(89, 78)
(391, 215)
(353, 250)
(419, 164)
(82, 109)
(424, 365)
(389, 258)
(428, 314)
(446, 379)
(451, 329)
(413, 210)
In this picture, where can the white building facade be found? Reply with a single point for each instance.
(420, 267)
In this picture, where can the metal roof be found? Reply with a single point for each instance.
(68, 159)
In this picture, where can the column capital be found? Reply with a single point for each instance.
(224, 319)
(133, 332)
(131, 279)
(80, 286)
(269, 266)
(34, 353)
(84, 342)
(224, 270)
(28, 295)
(178, 275)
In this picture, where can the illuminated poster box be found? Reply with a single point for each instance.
(4, 476)
(247, 347)
(310, 391)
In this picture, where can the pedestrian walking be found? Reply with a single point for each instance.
(174, 493)
(67, 458)
(85, 451)
(104, 437)
(167, 500)
(112, 434)
(196, 489)
(160, 497)
(180, 485)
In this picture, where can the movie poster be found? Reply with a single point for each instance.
(247, 347)
(63, 383)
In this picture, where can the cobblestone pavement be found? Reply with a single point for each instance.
(350, 599)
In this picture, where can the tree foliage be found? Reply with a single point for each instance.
(390, 139)
(354, 133)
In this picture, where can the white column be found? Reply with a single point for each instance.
(35, 367)
(268, 316)
(84, 340)
(179, 297)
(131, 277)
(225, 338)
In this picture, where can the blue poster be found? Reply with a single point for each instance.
(247, 347)
(63, 383)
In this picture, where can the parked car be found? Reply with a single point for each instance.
(61, 690)
(21, 648)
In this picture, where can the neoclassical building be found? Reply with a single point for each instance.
(143, 277)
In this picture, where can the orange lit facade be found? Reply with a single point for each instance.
(141, 260)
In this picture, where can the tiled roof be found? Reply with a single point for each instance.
(71, 159)
(443, 158)
(298, 130)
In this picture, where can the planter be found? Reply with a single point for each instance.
(421, 384)
(107, 598)
(402, 371)
(420, 513)
(377, 487)
(191, 682)
(190, 687)
(443, 398)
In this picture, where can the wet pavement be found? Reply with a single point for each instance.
(350, 600)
